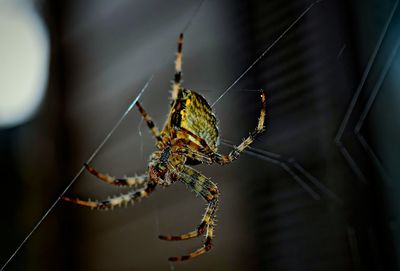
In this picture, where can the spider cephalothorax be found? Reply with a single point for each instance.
(190, 136)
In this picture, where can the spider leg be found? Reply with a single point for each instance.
(234, 154)
(153, 128)
(190, 151)
(176, 85)
(195, 155)
(128, 181)
(203, 186)
(204, 150)
(130, 197)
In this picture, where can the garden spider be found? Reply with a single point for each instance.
(190, 136)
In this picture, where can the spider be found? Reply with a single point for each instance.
(190, 136)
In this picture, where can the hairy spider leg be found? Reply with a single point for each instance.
(153, 128)
(117, 201)
(194, 155)
(127, 181)
(176, 85)
(203, 186)
(234, 154)
(191, 150)
(237, 150)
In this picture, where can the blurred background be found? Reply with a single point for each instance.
(318, 191)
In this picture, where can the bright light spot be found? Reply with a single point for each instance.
(24, 60)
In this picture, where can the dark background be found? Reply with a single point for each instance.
(315, 201)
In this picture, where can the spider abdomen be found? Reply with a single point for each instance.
(192, 112)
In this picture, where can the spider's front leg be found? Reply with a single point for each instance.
(130, 197)
(153, 128)
(176, 85)
(203, 186)
(234, 154)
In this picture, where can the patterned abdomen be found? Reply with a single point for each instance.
(192, 112)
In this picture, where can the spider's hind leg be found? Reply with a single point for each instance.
(128, 181)
(209, 191)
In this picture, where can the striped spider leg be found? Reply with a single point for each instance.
(176, 85)
(203, 186)
(142, 187)
(131, 196)
(234, 154)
